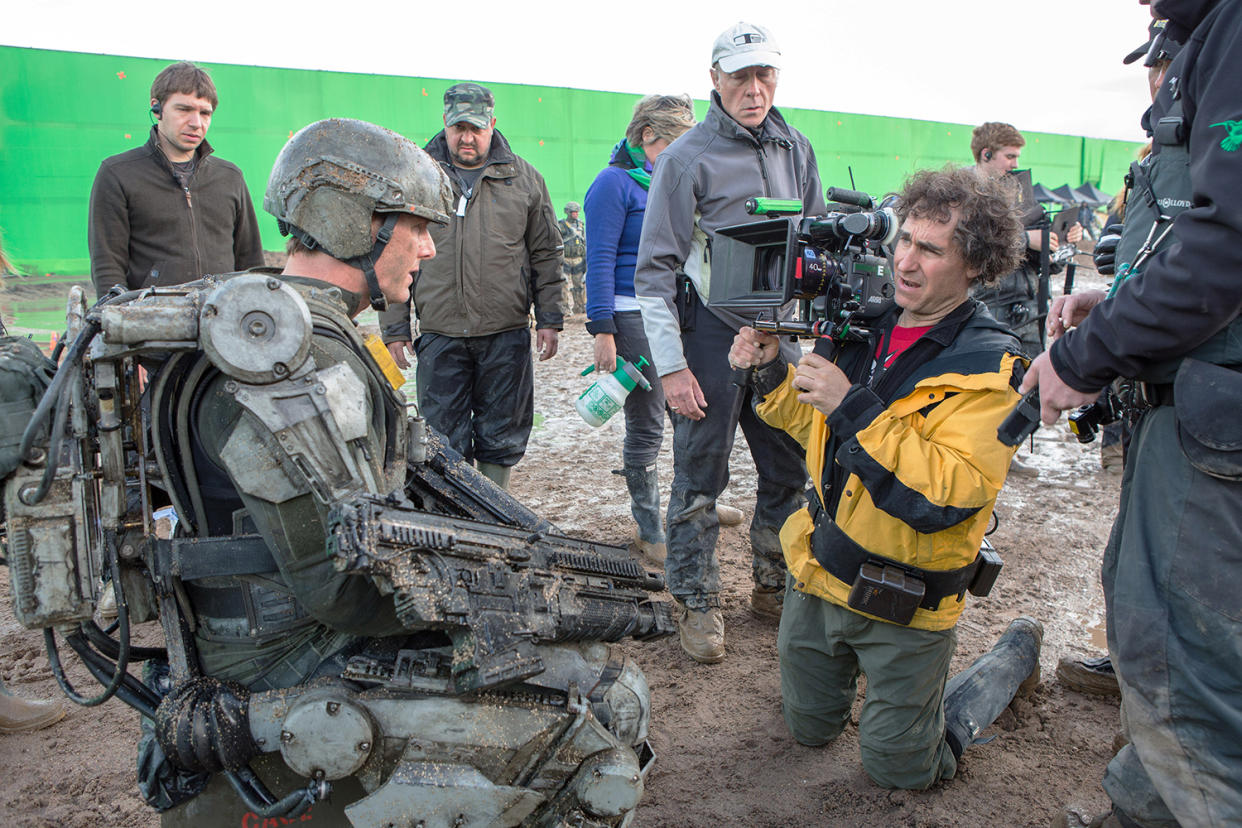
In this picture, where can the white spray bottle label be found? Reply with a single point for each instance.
(606, 396)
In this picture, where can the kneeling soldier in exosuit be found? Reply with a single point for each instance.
(347, 606)
(900, 434)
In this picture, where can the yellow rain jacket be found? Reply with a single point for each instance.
(916, 463)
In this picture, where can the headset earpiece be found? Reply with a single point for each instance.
(987, 154)
(157, 109)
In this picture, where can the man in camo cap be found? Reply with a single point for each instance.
(499, 255)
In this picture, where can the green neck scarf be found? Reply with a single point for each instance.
(638, 172)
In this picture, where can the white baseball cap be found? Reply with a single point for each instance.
(745, 44)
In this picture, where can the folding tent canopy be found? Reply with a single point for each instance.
(1092, 195)
(1045, 196)
(1066, 194)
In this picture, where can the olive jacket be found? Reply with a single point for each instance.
(499, 255)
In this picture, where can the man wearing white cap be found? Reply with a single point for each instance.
(743, 148)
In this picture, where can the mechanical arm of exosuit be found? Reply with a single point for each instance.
(518, 714)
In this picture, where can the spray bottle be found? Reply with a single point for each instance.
(607, 395)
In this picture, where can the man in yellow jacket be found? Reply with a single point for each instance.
(900, 437)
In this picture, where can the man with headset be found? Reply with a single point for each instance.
(169, 212)
(996, 147)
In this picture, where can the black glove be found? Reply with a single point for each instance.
(1106, 250)
(204, 725)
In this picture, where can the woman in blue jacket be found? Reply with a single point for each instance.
(615, 203)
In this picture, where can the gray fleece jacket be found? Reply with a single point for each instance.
(700, 184)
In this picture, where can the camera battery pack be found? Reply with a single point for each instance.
(989, 569)
(887, 592)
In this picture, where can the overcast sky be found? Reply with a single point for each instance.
(1044, 65)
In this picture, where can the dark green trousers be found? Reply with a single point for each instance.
(823, 647)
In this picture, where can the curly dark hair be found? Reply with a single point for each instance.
(988, 232)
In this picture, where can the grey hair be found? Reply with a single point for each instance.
(667, 115)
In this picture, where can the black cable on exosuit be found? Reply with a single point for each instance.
(120, 668)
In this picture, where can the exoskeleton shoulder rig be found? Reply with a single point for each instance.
(85, 499)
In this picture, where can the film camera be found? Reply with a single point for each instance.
(833, 265)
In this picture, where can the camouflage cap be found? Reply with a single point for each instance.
(469, 102)
(573, 207)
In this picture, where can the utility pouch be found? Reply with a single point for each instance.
(25, 373)
(687, 302)
(1207, 399)
(887, 592)
(989, 567)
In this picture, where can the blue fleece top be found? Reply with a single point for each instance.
(615, 203)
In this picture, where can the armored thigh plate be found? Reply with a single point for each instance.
(567, 748)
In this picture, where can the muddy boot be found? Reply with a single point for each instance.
(1089, 675)
(497, 474)
(977, 695)
(1022, 469)
(728, 516)
(767, 602)
(1113, 818)
(18, 715)
(644, 486)
(702, 633)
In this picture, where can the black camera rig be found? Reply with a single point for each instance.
(833, 266)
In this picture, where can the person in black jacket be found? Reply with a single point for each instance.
(170, 212)
(1171, 326)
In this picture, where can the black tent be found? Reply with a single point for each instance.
(1092, 195)
(1067, 195)
(1045, 196)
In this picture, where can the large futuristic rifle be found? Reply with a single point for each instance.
(496, 591)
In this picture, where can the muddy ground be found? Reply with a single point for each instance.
(723, 754)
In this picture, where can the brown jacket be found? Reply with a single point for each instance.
(145, 230)
(500, 254)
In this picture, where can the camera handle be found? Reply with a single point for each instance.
(741, 377)
(826, 344)
(1022, 421)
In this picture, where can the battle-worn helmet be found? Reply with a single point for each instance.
(573, 207)
(334, 174)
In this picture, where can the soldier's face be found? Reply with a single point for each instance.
(182, 124)
(409, 246)
(747, 94)
(468, 145)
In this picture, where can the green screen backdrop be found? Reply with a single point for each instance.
(61, 113)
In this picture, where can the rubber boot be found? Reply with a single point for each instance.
(977, 695)
(644, 486)
(495, 473)
(18, 715)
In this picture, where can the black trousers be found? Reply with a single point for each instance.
(701, 471)
(479, 392)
